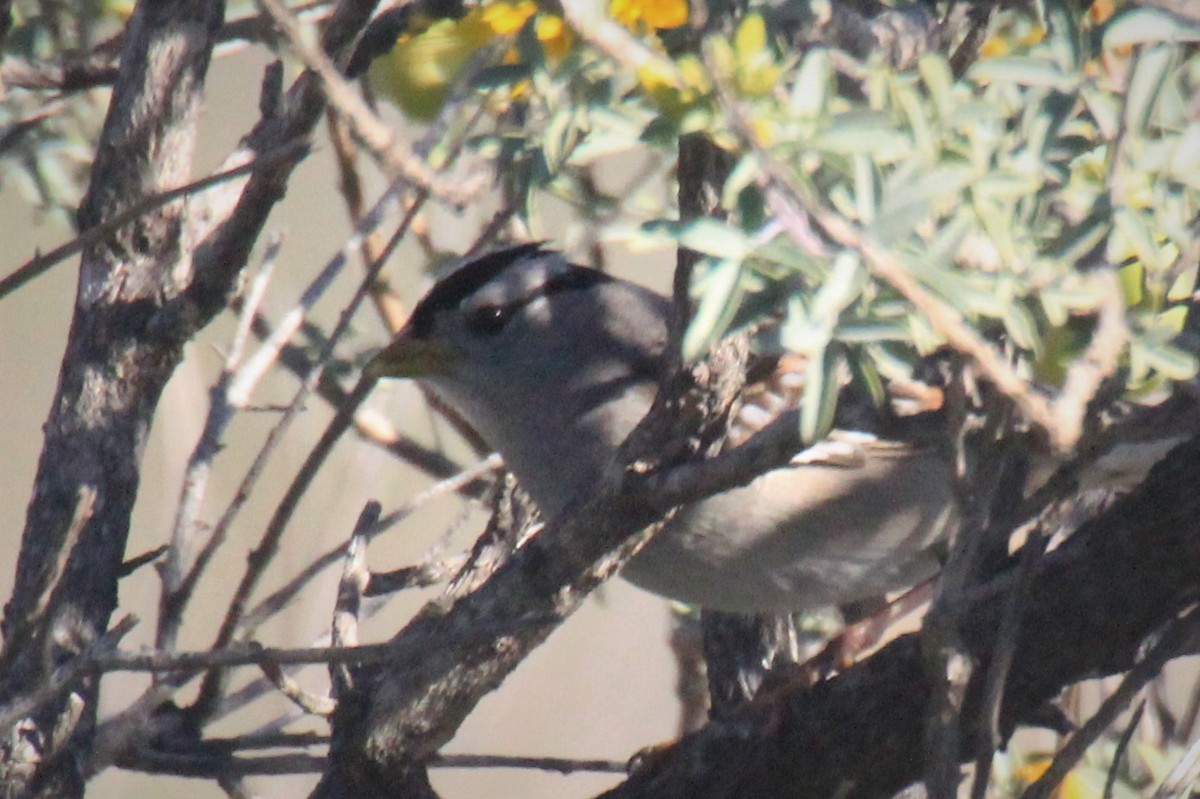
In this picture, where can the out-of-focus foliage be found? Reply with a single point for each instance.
(46, 142)
(1069, 147)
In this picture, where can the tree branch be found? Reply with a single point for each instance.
(1099, 595)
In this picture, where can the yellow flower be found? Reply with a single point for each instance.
(655, 13)
(557, 39)
(1073, 786)
(663, 87)
(506, 19)
(420, 68)
(418, 71)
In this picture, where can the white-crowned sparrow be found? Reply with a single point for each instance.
(554, 364)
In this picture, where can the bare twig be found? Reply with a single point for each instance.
(239, 389)
(398, 162)
(42, 263)
(619, 44)
(98, 67)
(280, 598)
(1179, 783)
(1180, 636)
(562, 765)
(180, 571)
(988, 726)
(268, 544)
(248, 654)
(947, 321)
(1098, 362)
(383, 296)
(305, 700)
(211, 765)
(1110, 780)
(355, 576)
(793, 205)
(64, 676)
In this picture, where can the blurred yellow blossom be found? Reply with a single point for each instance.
(654, 13)
(556, 37)
(1073, 786)
(420, 68)
(505, 19)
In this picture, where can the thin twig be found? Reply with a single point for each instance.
(355, 576)
(1179, 637)
(280, 598)
(1003, 652)
(562, 765)
(248, 654)
(307, 701)
(398, 163)
(387, 303)
(605, 34)
(268, 544)
(1097, 363)
(210, 765)
(98, 67)
(1110, 779)
(64, 676)
(1179, 782)
(240, 388)
(42, 263)
(180, 571)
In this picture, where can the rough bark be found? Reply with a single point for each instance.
(143, 292)
(1097, 599)
(120, 353)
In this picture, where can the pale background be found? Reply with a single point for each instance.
(602, 687)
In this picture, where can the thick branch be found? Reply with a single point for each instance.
(447, 659)
(120, 352)
(1099, 596)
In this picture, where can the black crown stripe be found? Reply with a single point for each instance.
(451, 290)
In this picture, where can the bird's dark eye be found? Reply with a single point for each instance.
(488, 320)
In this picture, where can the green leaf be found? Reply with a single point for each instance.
(818, 405)
(713, 237)
(1022, 327)
(841, 288)
(1138, 235)
(810, 92)
(1148, 26)
(939, 82)
(1170, 361)
(866, 189)
(721, 293)
(1023, 71)
(499, 76)
(744, 174)
(1149, 73)
(865, 374)
(867, 132)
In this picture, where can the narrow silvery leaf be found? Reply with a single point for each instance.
(716, 306)
(1149, 72)
(1023, 71)
(715, 238)
(819, 403)
(1146, 26)
(842, 287)
(810, 92)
